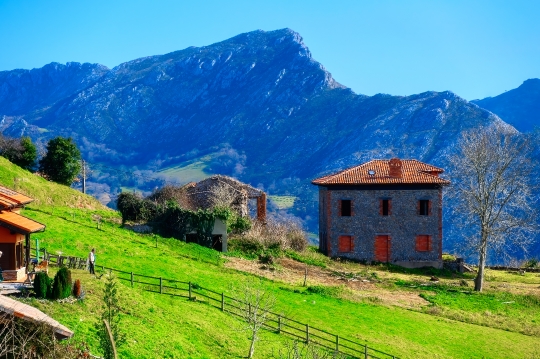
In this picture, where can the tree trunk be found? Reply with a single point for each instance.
(252, 347)
(479, 280)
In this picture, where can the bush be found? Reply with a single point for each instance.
(250, 247)
(325, 291)
(61, 284)
(240, 225)
(531, 263)
(42, 285)
(77, 289)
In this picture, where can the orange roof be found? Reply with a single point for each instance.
(6, 193)
(6, 203)
(378, 172)
(16, 220)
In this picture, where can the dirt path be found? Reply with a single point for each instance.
(361, 289)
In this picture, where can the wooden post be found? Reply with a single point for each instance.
(131, 279)
(279, 324)
(305, 276)
(111, 339)
(365, 352)
(222, 302)
(27, 254)
(160, 285)
(83, 176)
(189, 290)
(307, 333)
(337, 343)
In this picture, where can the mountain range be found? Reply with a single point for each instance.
(256, 106)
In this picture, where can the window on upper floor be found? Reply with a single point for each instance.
(424, 207)
(345, 208)
(345, 244)
(385, 207)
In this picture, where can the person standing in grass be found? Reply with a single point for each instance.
(91, 261)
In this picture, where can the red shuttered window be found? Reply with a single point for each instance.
(346, 244)
(423, 243)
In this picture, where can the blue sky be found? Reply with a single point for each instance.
(473, 48)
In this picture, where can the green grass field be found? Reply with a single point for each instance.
(192, 171)
(283, 202)
(405, 333)
(160, 326)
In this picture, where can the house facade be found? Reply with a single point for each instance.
(383, 211)
(15, 231)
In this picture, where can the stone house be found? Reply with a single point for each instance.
(384, 211)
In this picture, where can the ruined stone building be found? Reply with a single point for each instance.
(384, 211)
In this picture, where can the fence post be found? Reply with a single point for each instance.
(365, 352)
(337, 343)
(131, 279)
(222, 302)
(307, 333)
(279, 324)
(189, 290)
(160, 285)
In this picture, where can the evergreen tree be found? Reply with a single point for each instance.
(29, 154)
(62, 162)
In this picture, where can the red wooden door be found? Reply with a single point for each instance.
(382, 248)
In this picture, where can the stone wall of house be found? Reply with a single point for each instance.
(402, 225)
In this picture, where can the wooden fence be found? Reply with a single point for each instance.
(277, 323)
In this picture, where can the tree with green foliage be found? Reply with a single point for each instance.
(29, 154)
(61, 287)
(62, 163)
(110, 315)
(21, 152)
(42, 285)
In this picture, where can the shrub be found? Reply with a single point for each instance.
(61, 285)
(247, 246)
(42, 285)
(325, 291)
(240, 225)
(77, 289)
(531, 263)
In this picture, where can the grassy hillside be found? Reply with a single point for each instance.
(407, 333)
(447, 321)
(45, 193)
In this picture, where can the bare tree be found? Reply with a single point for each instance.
(303, 350)
(492, 192)
(257, 303)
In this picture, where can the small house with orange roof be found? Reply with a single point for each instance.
(383, 211)
(15, 231)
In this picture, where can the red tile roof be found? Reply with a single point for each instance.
(378, 172)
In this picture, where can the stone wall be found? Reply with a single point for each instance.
(14, 275)
(402, 225)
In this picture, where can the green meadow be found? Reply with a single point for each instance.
(161, 326)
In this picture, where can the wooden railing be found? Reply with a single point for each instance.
(276, 322)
